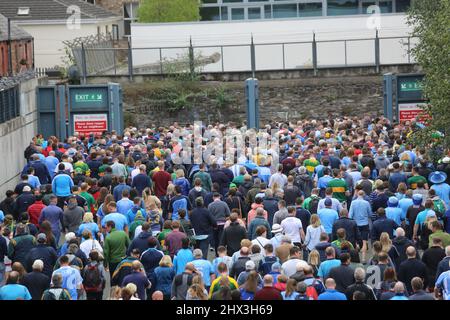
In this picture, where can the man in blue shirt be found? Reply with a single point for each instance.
(204, 267)
(124, 204)
(330, 263)
(14, 291)
(72, 280)
(443, 285)
(360, 211)
(328, 216)
(53, 214)
(62, 185)
(442, 189)
(393, 211)
(331, 293)
(120, 220)
(51, 162)
(183, 257)
(119, 189)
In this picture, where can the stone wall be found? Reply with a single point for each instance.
(279, 100)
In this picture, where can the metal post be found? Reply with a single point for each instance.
(345, 48)
(314, 53)
(253, 58)
(409, 49)
(377, 52)
(10, 67)
(83, 62)
(284, 59)
(114, 57)
(191, 58)
(130, 61)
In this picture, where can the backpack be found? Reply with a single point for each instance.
(55, 294)
(313, 205)
(92, 280)
(311, 292)
(439, 208)
(177, 205)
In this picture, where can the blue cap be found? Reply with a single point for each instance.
(417, 198)
(393, 201)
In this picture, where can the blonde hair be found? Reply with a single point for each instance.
(315, 221)
(386, 242)
(314, 258)
(171, 189)
(166, 261)
(132, 287)
(179, 173)
(88, 217)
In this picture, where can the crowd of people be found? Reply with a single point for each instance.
(352, 211)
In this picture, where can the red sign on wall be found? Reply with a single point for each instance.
(410, 111)
(90, 123)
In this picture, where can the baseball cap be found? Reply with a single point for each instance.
(328, 202)
(41, 237)
(417, 198)
(393, 201)
(250, 265)
(276, 228)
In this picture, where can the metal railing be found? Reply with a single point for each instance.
(9, 103)
(252, 57)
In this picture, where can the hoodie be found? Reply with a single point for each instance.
(131, 214)
(381, 162)
(252, 212)
(398, 250)
(72, 217)
(305, 183)
(140, 242)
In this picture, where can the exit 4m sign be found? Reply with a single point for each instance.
(91, 97)
(411, 86)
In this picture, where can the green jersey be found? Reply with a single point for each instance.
(414, 180)
(339, 187)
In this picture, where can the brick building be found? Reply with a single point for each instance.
(21, 48)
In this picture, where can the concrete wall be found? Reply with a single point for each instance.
(15, 136)
(48, 40)
(271, 57)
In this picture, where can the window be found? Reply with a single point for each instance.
(284, 10)
(230, 1)
(210, 13)
(342, 7)
(402, 5)
(310, 9)
(237, 14)
(268, 12)
(130, 11)
(254, 13)
(209, 1)
(224, 13)
(386, 6)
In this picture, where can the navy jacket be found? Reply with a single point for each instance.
(351, 229)
(45, 253)
(383, 225)
(3, 249)
(19, 247)
(150, 260)
(202, 221)
(36, 283)
(40, 171)
(218, 176)
(23, 201)
(140, 242)
(140, 182)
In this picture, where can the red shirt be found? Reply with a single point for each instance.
(161, 180)
(35, 211)
(268, 293)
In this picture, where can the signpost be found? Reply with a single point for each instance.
(90, 123)
(409, 111)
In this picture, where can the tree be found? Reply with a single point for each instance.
(169, 11)
(430, 20)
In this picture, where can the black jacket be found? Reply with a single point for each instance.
(362, 287)
(321, 247)
(421, 295)
(412, 268)
(383, 225)
(22, 203)
(238, 266)
(431, 257)
(7, 206)
(398, 250)
(232, 236)
(3, 249)
(140, 242)
(343, 276)
(351, 229)
(36, 283)
(202, 221)
(45, 253)
(40, 171)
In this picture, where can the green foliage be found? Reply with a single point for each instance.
(222, 97)
(169, 10)
(430, 20)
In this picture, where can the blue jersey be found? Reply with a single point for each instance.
(71, 280)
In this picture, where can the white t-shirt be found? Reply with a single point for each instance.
(291, 227)
(67, 167)
(261, 242)
(88, 245)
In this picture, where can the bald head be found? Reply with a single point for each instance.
(157, 295)
(411, 252)
(330, 283)
(268, 280)
(399, 287)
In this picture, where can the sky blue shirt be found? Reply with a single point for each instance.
(328, 217)
(264, 174)
(183, 257)
(443, 192)
(71, 280)
(404, 204)
(330, 294)
(394, 214)
(119, 219)
(34, 182)
(62, 185)
(422, 216)
(206, 268)
(51, 163)
(326, 266)
(399, 297)
(14, 292)
(291, 297)
(360, 211)
(91, 226)
(323, 182)
(443, 282)
(123, 205)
